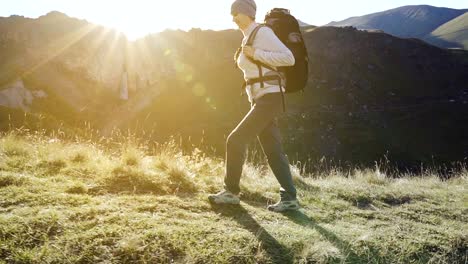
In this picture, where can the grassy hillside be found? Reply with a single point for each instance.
(455, 31)
(126, 201)
(369, 94)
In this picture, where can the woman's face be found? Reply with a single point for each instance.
(241, 20)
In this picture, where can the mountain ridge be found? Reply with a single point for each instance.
(413, 21)
(362, 90)
(455, 31)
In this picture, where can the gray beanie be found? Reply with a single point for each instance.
(246, 7)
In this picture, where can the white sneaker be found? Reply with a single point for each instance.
(282, 206)
(224, 197)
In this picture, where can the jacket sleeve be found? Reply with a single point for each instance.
(271, 50)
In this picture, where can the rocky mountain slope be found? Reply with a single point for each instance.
(370, 96)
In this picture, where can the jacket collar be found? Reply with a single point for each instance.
(249, 29)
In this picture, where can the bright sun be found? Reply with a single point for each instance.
(138, 18)
(134, 29)
(136, 21)
(135, 18)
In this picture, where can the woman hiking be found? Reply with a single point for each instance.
(266, 104)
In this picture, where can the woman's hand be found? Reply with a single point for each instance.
(249, 51)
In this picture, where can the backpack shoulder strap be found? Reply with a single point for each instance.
(250, 42)
(259, 64)
(252, 35)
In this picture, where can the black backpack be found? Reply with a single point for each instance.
(286, 28)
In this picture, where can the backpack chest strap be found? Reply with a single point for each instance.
(264, 79)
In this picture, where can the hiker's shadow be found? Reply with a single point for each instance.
(275, 250)
(302, 219)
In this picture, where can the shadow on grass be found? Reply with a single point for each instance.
(302, 219)
(276, 251)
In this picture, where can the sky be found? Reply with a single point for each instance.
(137, 18)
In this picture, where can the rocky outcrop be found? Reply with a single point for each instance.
(372, 94)
(16, 96)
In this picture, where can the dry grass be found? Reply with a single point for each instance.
(81, 201)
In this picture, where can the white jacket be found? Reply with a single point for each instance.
(269, 50)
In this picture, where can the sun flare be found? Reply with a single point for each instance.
(139, 18)
(136, 19)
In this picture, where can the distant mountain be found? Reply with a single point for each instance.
(415, 21)
(455, 31)
(305, 27)
(302, 23)
(406, 21)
